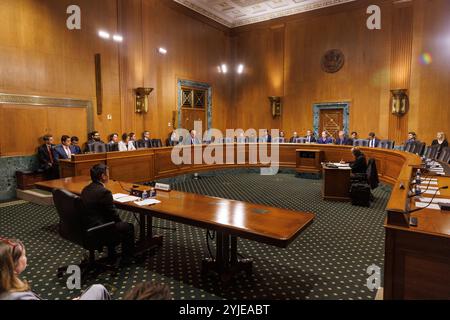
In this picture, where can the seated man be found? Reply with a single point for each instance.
(360, 163)
(74, 142)
(145, 142)
(343, 140)
(113, 144)
(94, 137)
(310, 137)
(412, 137)
(100, 209)
(373, 140)
(354, 135)
(64, 150)
(325, 139)
(45, 157)
(294, 136)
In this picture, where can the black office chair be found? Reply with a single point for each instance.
(360, 143)
(157, 143)
(444, 156)
(431, 152)
(98, 147)
(386, 144)
(111, 147)
(299, 140)
(419, 148)
(70, 211)
(370, 177)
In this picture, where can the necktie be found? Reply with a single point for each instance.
(50, 153)
(68, 152)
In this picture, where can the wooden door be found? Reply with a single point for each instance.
(194, 105)
(331, 120)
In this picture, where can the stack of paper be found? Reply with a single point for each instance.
(147, 202)
(431, 206)
(123, 198)
(435, 200)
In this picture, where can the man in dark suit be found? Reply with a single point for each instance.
(360, 163)
(373, 140)
(294, 136)
(310, 137)
(45, 157)
(94, 137)
(343, 140)
(145, 142)
(74, 143)
(100, 209)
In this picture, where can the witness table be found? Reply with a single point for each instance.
(229, 218)
(336, 183)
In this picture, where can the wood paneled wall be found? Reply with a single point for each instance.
(40, 56)
(376, 62)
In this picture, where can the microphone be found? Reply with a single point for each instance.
(123, 188)
(431, 201)
(413, 195)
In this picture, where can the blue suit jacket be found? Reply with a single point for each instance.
(346, 141)
(327, 141)
(59, 153)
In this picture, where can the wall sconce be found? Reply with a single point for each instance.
(142, 99)
(399, 102)
(275, 106)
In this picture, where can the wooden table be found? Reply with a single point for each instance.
(229, 218)
(336, 184)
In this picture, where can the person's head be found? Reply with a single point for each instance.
(13, 262)
(48, 139)
(356, 152)
(371, 135)
(146, 135)
(411, 135)
(441, 136)
(114, 137)
(309, 133)
(100, 173)
(282, 134)
(74, 140)
(354, 135)
(149, 291)
(295, 134)
(324, 134)
(65, 141)
(193, 133)
(341, 134)
(132, 136)
(95, 135)
(125, 137)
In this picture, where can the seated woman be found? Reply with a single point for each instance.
(325, 139)
(13, 262)
(125, 144)
(133, 140)
(441, 142)
(360, 163)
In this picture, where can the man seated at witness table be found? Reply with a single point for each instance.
(360, 163)
(125, 144)
(343, 140)
(74, 141)
(145, 142)
(412, 137)
(354, 135)
(294, 136)
(13, 262)
(441, 142)
(373, 140)
(45, 157)
(100, 209)
(325, 139)
(310, 137)
(64, 150)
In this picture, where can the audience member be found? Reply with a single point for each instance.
(74, 141)
(64, 150)
(125, 144)
(13, 261)
(45, 157)
(145, 142)
(133, 140)
(149, 291)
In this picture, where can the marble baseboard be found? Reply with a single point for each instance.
(8, 168)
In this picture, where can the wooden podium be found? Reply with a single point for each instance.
(309, 161)
(336, 184)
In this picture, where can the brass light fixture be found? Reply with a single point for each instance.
(275, 106)
(399, 102)
(142, 99)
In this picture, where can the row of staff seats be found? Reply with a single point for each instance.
(99, 147)
(432, 152)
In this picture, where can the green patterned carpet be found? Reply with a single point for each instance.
(328, 261)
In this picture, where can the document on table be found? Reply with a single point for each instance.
(431, 206)
(431, 183)
(428, 187)
(123, 198)
(147, 202)
(432, 192)
(438, 200)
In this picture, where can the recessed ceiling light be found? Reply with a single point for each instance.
(162, 50)
(240, 69)
(224, 68)
(103, 34)
(117, 38)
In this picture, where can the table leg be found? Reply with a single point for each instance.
(146, 238)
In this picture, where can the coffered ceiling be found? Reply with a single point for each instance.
(235, 13)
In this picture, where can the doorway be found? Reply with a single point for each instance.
(331, 117)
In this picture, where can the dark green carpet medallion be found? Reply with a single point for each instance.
(328, 261)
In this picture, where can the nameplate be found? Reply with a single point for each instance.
(162, 186)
